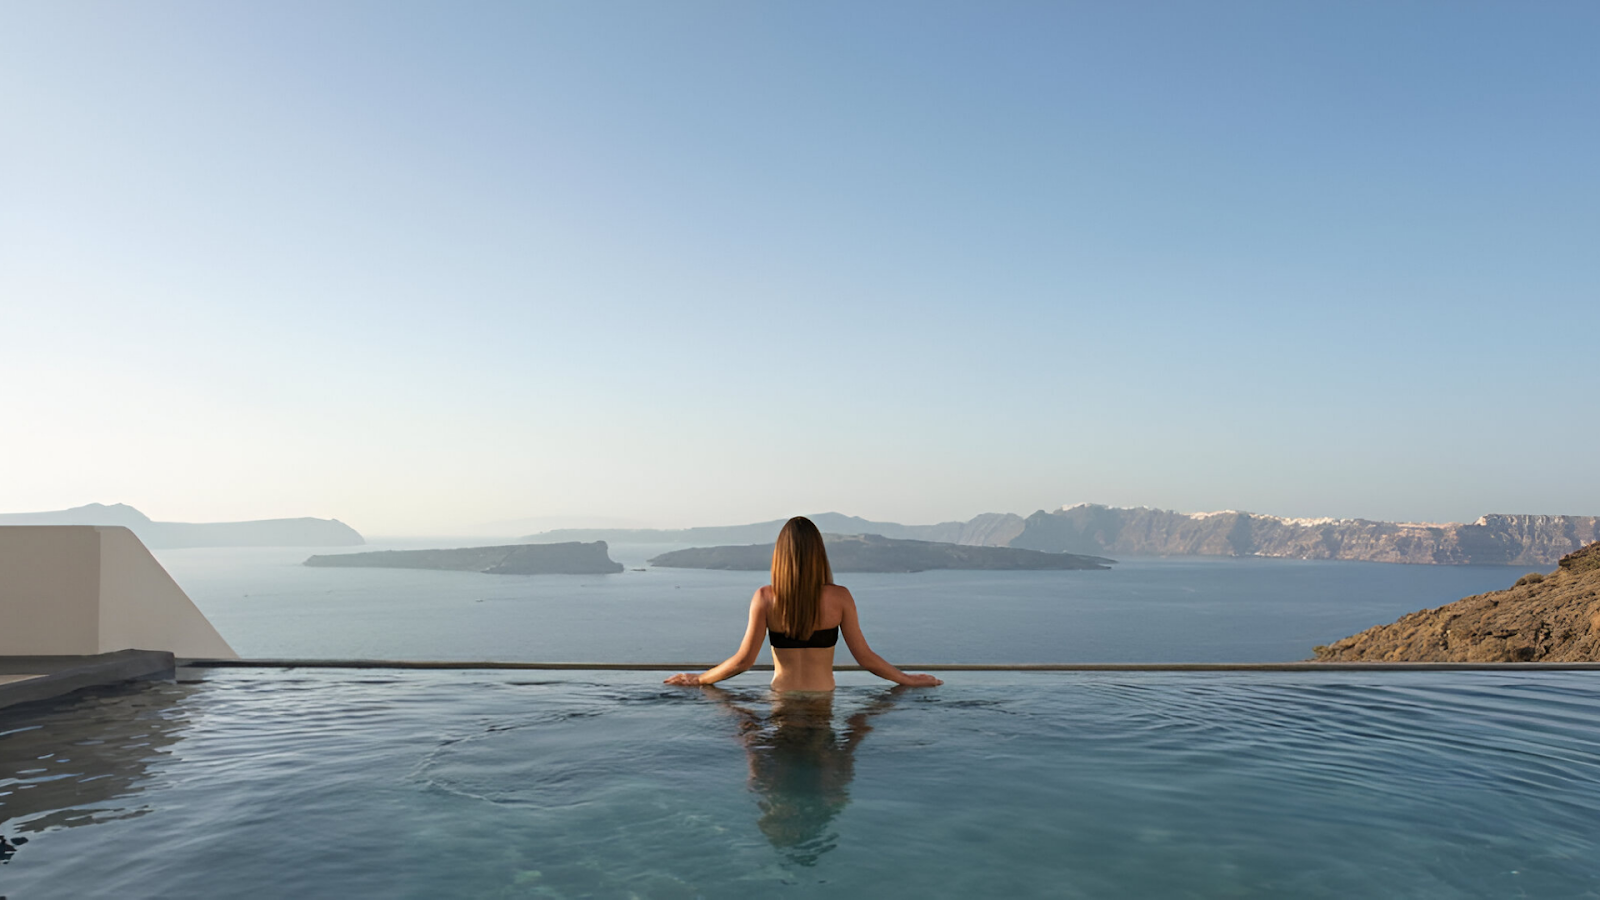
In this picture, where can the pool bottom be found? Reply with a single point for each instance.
(256, 783)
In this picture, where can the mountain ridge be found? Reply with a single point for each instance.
(1097, 530)
(967, 532)
(298, 532)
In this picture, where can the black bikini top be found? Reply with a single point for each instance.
(822, 637)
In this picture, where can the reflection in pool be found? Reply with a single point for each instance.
(262, 783)
(50, 780)
(801, 765)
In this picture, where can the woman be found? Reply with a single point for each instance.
(803, 612)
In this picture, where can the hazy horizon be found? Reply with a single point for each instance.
(423, 268)
(542, 524)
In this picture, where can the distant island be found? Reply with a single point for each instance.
(516, 559)
(305, 532)
(875, 553)
(1541, 618)
(1091, 529)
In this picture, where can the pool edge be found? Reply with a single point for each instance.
(48, 677)
(928, 667)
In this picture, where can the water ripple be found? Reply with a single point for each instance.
(467, 784)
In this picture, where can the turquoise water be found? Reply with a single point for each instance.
(328, 783)
(1143, 610)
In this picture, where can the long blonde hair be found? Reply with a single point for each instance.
(799, 570)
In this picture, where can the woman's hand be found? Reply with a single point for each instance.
(919, 680)
(686, 679)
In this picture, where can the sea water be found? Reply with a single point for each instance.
(344, 784)
(1189, 609)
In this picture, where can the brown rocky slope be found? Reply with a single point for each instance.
(1542, 618)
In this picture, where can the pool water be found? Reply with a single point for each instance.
(337, 783)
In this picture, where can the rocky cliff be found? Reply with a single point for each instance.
(1492, 540)
(875, 553)
(516, 559)
(1542, 618)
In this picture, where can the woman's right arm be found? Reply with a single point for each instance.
(755, 632)
(850, 626)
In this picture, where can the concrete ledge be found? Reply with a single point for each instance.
(81, 589)
(28, 678)
(913, 667)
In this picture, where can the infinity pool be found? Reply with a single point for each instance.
(330, 783)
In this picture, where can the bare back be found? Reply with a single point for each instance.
(807, 668)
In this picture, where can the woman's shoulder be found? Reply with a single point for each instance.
(837, 593)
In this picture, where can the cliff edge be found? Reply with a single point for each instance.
(1496, 539)
(1542, 618)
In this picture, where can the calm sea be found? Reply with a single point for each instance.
(1143, 610)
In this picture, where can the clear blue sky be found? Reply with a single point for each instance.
(422, 266)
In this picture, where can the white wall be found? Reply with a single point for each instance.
(49, 590)
(83, 589)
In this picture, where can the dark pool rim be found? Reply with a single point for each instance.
(920, 667)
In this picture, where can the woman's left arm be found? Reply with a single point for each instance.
(755, 632)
